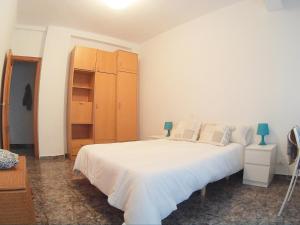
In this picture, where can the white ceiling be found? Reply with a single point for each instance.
(139, 22)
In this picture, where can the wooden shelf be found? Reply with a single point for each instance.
(81, 101)
(75, 123)
(82, 131)
(86, 71)
(80, 140)
(82, 95)
(82, 87)
(83, 79)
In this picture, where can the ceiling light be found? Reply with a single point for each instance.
(118, 4)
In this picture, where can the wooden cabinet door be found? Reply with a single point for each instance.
(85, 58)
(82, 113)
(126, 106)
(105, 108)
(127, 62)
(106, 62)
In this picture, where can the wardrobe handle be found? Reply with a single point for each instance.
(119, 105)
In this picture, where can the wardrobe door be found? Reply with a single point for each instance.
(127, 62)
(105, 108)
(106, 62)
(126, 106)
(85, 58)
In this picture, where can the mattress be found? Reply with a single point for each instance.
(147, 179)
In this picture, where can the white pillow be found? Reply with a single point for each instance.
(187, 130)
(216, 134)
(242, 135)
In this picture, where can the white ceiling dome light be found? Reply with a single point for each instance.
(118, 4)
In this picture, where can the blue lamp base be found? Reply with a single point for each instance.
(169, 133)
(262, 142)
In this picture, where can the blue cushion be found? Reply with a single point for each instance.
(8, 159)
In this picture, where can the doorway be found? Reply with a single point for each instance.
(19, 105)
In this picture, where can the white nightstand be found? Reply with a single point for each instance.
(259, 164)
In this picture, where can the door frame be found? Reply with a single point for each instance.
(5, 92)
(38, 61)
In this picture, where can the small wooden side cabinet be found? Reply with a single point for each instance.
(16, 206)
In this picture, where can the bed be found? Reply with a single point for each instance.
(147, 179)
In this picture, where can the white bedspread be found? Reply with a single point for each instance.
(147, 179)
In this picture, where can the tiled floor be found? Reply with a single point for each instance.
(59, 199)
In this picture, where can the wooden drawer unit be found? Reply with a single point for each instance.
(259, 165)
(16, 206)
(127, 62)
(82, 113)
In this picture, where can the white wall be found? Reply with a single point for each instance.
(8, 11)
(237, 65)
(28, 40)
(21, 119)
(52, 103)
(54, 45)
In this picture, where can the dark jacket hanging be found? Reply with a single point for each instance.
(27, 99)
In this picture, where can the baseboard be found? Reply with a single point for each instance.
(62, 157)
(283, 169)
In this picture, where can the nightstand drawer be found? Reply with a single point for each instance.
(256, 173)
(258, 157)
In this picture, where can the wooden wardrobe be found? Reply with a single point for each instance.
(102, 98)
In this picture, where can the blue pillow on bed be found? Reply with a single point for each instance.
(8, 159)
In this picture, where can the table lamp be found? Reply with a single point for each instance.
(263, 130)
(168, 126)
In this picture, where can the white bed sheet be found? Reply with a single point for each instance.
(147, 179)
